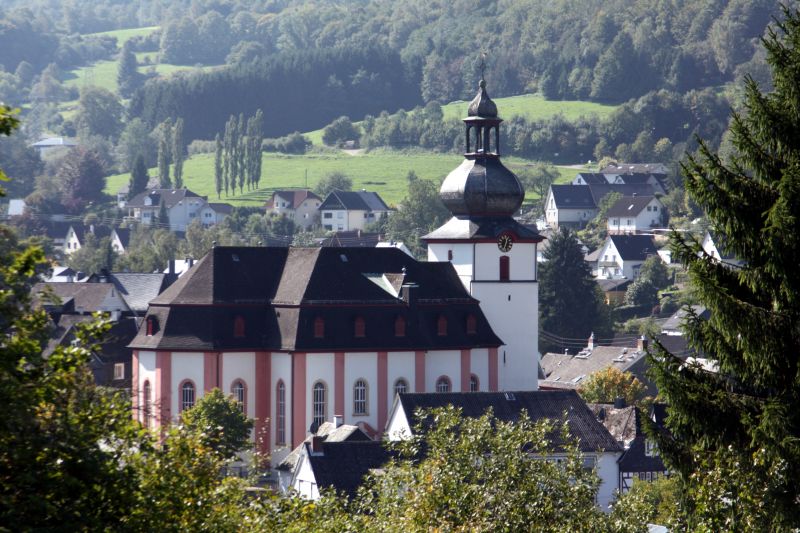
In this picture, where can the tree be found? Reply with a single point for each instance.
(163, 216)
(221, 422)
(139, 177)
(128, 77)
(218, 165)
(733, 433)
(420, 212)
(538, 180)
(333, 181)
(163, 164)
(136, 140)
(655, 271)
(605, 386)
(178, 153)
(642, 292)
(82, 179)
(93, 256)
(594, 234)
(569, 304)
(339, 131)
(241, 152)
(99, 113)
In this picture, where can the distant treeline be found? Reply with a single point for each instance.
(298, 91)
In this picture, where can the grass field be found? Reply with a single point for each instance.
(124, 35)
(382, 171)
(534, 106)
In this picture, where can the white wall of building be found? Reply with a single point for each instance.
(479, 365)
(281, 370)
(186, 365)
(304, 481)
(361, 365)
(608, 471)
(240, 366)
(522, 261)
(147, 372)
(399, 365)
(443, 363)
(398, 427)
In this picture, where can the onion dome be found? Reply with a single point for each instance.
(482, 185)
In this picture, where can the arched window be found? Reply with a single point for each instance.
(146, 392)
(319, 327)
(152, 325)
(505, 268)
(474, 384)
(280, 414)
(472, 324)
(187, 395)
(443, 384)
(359, 327)
(239, 392)
(400, 386)
(360, 397)
(238, 326)
(319, 403)
(400, 326)
(441, 326)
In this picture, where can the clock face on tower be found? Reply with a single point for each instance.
(505, 242)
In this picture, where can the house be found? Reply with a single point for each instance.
(575, 205)
(299, 205)
(635, 214)
(80, 298)
(16, 207)
(621, 256)
(635, 168)
(571, 370)
(713, 244)
(77, 234)
(351, 210)
(62, 274)
(598, 447)
(179, 266)
(352, 239)
(614, 289)
(182, 207)
(50, 144)
(120, 239)
(137, 288)
(595, 178)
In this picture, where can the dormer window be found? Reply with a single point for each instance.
(441, 326)
(359, 327)
(152, 326)
(472, 324)
(319, 328)
(400, 326)
(238, 326)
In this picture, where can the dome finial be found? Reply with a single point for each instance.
(482, 105)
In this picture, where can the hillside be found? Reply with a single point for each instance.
(535, 107)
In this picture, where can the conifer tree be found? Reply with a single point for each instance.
(139, 177)
(241, 142)
(128, 77)
(734, 431)
(218, 165)
(163, 164)
(178, 152)
(229, 176)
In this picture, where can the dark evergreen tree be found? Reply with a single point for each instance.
(139, 177)
(734, 431)
(128, 77)
(178, 150)
(163, 216)
(218, 165)
(570, 306)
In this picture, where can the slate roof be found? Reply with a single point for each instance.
(573, 197)
(356, 238)
(598, 192)
(507, 406)
(56, 230)
(344, 465)
(354, 200)
(574, 368)
(331, 433)
(139, 289)
(170, 197)
(281, 292)
(677, 345)
(675, 322)
(629, 206)
(593, 177)
(226, 209)
(295, 197)
(458, 228)
(620, 422)
(634, 247)
(86, 296)
(607, 285)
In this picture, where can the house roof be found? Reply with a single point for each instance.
(600, 191)
(331, 433)
(574, 368)
(88, 297)
(609, 285)
(675, 322)
(472, 228)
(508, 406)
(346, 239)
(295, 197)
(139, 289)
(124, 235)
(344, 465)
(634, 247)
(620, 422)
(81, 231)
(629, 206)
(54, 141)
(285, 290)
(225, 209)
(170, 197)
(56, 230)
(573, 197)
(354, 200)
(635, 458)
(593, 177)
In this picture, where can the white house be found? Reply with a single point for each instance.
(621, 256)
(575, 205)
(714, 245)
(82, 298)
(53, 143)
(351, 210)
(600, 450)
(182, 207)
(77, 233)
(299, 205)
(635, 214)
(594, 178)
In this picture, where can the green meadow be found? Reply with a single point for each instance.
(535, 107)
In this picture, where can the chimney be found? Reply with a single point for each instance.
(619, 402)
(190, 261)
(590, 345)
(171, 266)
(338, 420)
(408, 293)
(566, 351)
(316, 445)
(641, 344)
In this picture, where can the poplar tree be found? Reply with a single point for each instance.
(229, 157)
(218, 165)
(241, 141)
(178, 152)
(163, 164)
(139, 177)
(734, 429)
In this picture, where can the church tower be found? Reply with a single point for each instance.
(494, 255)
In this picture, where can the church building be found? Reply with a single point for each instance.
(298, 335)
